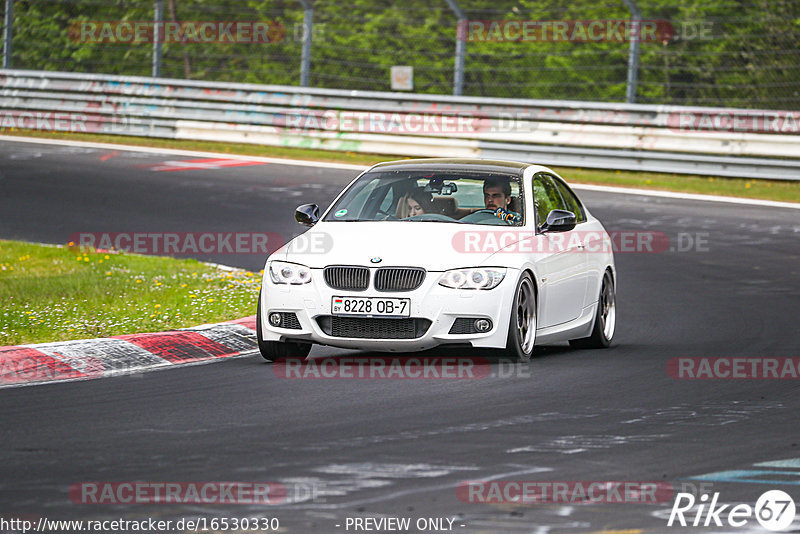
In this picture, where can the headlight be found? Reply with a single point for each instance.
(289, 273)
(476, 278)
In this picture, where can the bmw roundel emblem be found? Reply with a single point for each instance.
(376, 260)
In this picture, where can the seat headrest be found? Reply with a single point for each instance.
(445, 205)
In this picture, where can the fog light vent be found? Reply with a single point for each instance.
(284, 320)
(470, 325)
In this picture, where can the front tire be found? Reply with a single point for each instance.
(522, 326)
(605, 318)
(276, 350)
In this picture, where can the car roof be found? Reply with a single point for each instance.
(453, 164)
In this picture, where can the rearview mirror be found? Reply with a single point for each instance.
(559, 221)
(307, 214)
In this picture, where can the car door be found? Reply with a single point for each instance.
(591, 236)
(562, 267)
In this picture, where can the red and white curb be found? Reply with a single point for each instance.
(113, 356)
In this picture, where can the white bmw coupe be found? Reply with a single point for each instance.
(419, 253)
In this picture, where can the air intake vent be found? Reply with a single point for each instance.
(399, 278)
(373, 328)
(289, 320)
(347, 278)
(463, 325)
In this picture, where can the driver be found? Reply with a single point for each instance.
(496, 193)
(497, 197)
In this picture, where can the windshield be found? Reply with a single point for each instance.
(453, 197)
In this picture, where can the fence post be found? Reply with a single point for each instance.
(158, 26)
(305, 58)
(633, 54)
(461, 43)
(7, 33)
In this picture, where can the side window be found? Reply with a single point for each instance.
(386, 205)
(546, 197)
(571, 201)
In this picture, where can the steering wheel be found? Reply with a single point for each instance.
(476, 215)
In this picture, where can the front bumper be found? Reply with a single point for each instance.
(311, 303)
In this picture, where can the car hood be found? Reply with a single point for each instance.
(431, 245)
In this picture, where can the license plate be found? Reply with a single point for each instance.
(371, 306)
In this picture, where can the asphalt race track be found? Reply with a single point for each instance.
(400, 448)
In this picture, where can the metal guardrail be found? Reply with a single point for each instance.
(578, 134)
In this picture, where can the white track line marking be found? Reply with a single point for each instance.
(346, 166)
(687, 196)
(177, 152)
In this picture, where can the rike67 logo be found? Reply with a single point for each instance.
(774, 510)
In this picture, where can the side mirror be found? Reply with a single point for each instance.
(307, 214)
(559, 221)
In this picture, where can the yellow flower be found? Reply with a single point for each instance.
(86, 258)
(152, 316)
(138, 281)
(99, 261)
(192, 296)
(158, 305)
(108, 273)
(184, 285)
(71, 244)
(747, 185)
(210, 300)
(106, 256)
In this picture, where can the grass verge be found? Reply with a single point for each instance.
(54, 293)
(781, 190)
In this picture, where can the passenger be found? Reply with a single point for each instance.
(418, 202)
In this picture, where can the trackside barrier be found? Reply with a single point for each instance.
(705, 141)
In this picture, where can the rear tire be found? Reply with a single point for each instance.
(605, 318)
(276, 350)
(522, 325)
